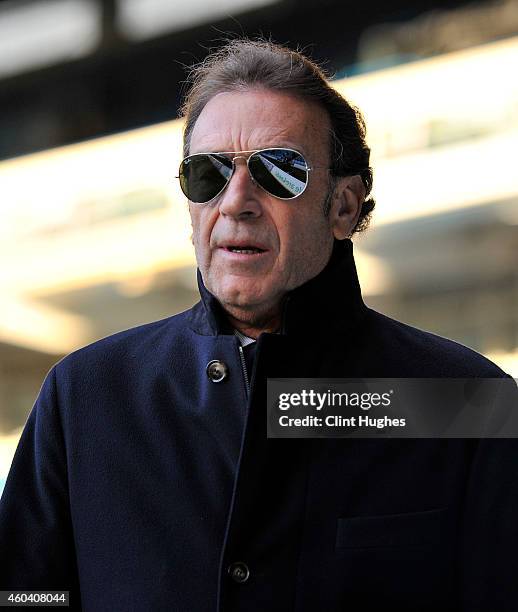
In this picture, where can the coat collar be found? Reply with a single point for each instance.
(329, 303)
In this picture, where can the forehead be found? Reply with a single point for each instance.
(254, 119)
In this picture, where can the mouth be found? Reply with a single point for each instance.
(249, 250)
(244, 249)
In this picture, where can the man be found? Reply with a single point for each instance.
(144, 479)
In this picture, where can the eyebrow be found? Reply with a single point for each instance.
(294, 147)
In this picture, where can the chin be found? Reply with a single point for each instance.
(241, 299)
(239, 295)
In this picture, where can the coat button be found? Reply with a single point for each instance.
(217, 370)
(239, 572)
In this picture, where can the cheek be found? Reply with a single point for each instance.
(201, 227)
(306, 244)
(298, 232)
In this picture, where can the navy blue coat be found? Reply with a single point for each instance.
(138, 481)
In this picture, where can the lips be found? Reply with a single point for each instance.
(244, 247)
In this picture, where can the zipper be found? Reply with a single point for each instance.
(243, 365)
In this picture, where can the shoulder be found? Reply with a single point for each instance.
(422, 353)
(148, 343)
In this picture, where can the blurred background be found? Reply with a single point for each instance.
(94, 232)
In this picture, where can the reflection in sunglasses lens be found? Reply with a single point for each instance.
(281, 172)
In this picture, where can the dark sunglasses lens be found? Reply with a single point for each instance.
(203, 176)
(281, 172)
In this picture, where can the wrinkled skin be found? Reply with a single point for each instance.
(296, 235)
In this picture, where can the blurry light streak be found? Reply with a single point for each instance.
(8, 444)
(472, 82)
(375, 275)
(507, 361)
(112, 253)
(474, 85)
(443, 179)
(46, 190)
(47, 249)
(39, 327)
(140, 19)
(41, 33)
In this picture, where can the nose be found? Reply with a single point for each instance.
(241, 198)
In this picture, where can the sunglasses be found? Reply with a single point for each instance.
(282, 173)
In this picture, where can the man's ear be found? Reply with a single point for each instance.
(348, 196)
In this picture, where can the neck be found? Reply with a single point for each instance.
(252, 324)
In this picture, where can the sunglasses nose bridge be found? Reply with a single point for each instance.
(246, 160)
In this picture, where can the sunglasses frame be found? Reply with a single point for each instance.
(237, 155)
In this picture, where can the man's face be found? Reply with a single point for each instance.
(295, 236)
